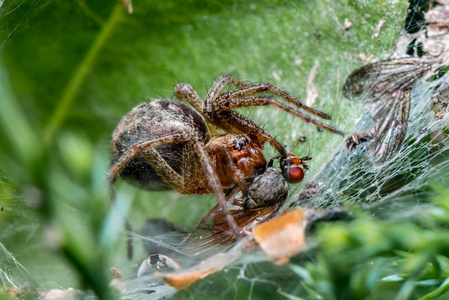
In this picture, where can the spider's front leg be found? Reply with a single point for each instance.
(221, 82)
(220, 113)
(218, 109)
(234, 122)
(214, 183)
(249, 90)
(184, 91)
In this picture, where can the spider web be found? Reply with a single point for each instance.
(405, 178)
(398, 188)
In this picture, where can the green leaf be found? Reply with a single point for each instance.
(311, 292)
(444, 287)
(393, 278)
(301, 272)
(290, 296)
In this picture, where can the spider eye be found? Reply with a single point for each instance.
(240, 143)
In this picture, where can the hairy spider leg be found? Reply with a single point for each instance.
(249, 90)
(216, 104)
(241, 185)
(234, 122)
(223, 81)
(214, 182)
(232, 119)
(213, 211)
(232, 101)
(146, 147)
(161, 167)
(184, 91)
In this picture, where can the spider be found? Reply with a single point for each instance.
(203, 148)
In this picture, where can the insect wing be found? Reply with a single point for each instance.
(391, 126)
(214, 231)
(376, 81)
(245, 219)
(387, 84)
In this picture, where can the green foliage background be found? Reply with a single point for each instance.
(71, 69)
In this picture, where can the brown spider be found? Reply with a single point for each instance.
(206, 148)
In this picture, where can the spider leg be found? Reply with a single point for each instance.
(214, 182)
(225, 103)
(184, 91)
(182, 183)
(213, 211)
(221, 82)
(175, 180)
(249, 90)
(236, 123)
(241, 185)
(146, 147)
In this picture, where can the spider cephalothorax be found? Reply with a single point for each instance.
(203, 148)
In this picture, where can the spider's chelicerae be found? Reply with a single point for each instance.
(203, 148)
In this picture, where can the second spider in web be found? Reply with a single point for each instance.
(203, 148)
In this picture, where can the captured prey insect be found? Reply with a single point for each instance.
(203, 148)
(440, 102)
(265, 195)
(387, 85)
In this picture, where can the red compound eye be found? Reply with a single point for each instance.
(292, 168)
(296, 174)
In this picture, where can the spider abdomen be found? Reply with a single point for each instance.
(150, 120)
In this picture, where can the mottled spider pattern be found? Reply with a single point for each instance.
(203, 148)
